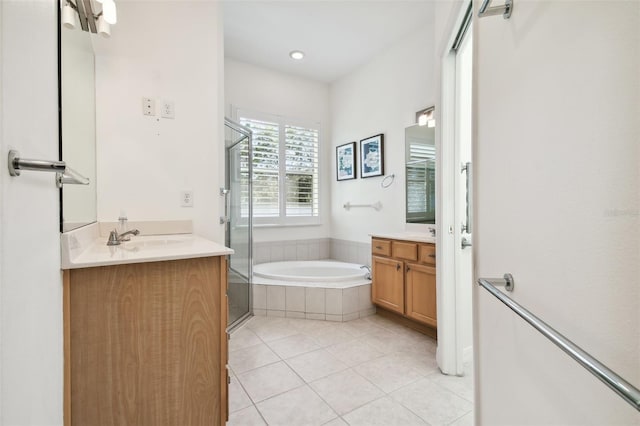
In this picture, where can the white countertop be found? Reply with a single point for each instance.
(406, 236)
(87, 249)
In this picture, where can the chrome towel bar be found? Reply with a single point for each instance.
(376, 206)
(607, 376)
(487, 10)
(17, 164)
(64, 174)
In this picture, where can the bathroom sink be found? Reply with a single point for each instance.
(138, 243)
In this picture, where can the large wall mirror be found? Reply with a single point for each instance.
(78, 126)
(420, 169)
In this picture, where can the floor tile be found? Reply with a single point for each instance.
(385, 341)
(336, 422)
(383, 412)
(387, 373)
(270, 380)
(238, 398)
(354, 352)
(315, 365)
(252, 357)
(466, 420)
(346, 391)
(246, 417)
(299, 407)
(424, 363)
(271, 328)
(293, 345)
(360, 327)
(461, 386)
(432, 403)
(332, 337)
(243, 338)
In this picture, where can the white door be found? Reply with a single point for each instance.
(557, 188)
(31, 355)
(455, 267)
(463, 210)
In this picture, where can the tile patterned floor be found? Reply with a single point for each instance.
(370, 371)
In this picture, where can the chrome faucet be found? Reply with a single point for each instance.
(115, 239)
(368, 275)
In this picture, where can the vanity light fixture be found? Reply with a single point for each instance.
(69, 16)
(296, 54)
(425, 117)
(99, 23)
(104, 29)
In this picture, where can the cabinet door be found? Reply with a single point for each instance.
(387, 287)
(421, 293)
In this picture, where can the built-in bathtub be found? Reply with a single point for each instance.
(325, 289)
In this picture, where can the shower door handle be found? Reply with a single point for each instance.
(224, 192)
(467, 169)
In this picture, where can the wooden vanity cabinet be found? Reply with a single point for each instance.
(404, 279)
(146, 343)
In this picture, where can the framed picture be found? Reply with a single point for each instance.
(372, 156)
(346, 161)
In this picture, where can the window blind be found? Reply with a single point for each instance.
(301, 145)
(266, 167)
(285, 169)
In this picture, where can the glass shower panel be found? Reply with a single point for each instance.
(238, 219)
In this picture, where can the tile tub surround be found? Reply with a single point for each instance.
(370, 371)
(328, 304)
(313, 249)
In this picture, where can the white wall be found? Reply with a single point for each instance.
(262, 90)
(557, 186)
(30, 284)
(165, 50)
(382, 96)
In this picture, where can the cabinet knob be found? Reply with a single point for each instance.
(397, 266)
(378, 247)
(408, 269)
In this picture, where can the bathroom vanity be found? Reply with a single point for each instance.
(144, 331)
(404, 280)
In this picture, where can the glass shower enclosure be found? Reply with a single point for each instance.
(238, 220)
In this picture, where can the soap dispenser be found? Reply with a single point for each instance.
(123, 222)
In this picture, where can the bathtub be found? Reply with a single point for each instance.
(312, 273)
(320, 289)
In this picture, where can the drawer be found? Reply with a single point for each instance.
(405, 250)
(427, 254)
(380, 247)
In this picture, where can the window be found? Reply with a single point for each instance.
(285, 169)
(420, 175)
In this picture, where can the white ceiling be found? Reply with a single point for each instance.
(336, 35)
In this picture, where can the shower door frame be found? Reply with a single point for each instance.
(228, 146)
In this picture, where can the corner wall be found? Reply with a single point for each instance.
(144, 162)
(382, 96)
(263, 90)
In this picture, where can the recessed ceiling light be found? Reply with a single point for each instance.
(296, 54)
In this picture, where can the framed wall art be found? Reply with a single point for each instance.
(372, 156)
(346, 161)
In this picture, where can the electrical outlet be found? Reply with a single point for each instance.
(148, 106)
(168, 109)
(186, 198)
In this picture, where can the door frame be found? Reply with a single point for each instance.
(449, 355)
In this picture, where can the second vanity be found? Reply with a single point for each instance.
(404, 279)
(144, 330)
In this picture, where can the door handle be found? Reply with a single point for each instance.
(464, 243)
(224, 192)
(467, 168)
